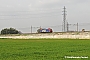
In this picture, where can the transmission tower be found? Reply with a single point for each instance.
(64, 20)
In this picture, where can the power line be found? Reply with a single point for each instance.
(29, 13)
(8, 17)
(37, 10)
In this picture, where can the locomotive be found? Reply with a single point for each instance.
(44, 30)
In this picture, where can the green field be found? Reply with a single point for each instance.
(43, 49)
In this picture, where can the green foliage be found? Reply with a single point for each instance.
(43, 49)
(38, 30)
(9, 31)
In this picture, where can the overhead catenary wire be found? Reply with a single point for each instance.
(75, 26)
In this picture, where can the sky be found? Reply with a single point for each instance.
(22, 14)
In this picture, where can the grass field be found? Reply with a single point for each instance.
(43, 49)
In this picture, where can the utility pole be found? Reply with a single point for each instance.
(77, 27)
(67, 27)
(62, 27)
(31, 29)
(40, 27)
(64, 19)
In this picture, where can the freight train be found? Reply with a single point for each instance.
(44, 30)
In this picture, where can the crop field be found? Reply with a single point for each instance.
(44, 49)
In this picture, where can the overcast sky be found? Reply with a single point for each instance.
(21, 14)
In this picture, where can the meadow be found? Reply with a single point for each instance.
(44, 49)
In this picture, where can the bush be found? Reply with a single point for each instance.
(9, 31)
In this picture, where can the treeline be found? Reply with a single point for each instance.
(10, 31)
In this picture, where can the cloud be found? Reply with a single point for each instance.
(30, 5)
(43, 11)
(41, 2)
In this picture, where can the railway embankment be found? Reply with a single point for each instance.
(70, 35)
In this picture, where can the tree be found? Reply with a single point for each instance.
(9, 31)
(38, 31)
